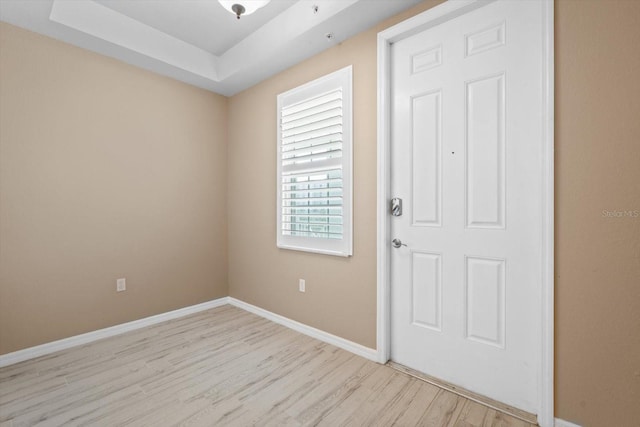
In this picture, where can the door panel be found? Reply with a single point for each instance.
(426, 167)
(466, 158)
(485, 305)
(426, 294)
(485, 152)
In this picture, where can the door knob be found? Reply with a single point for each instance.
(397, 243)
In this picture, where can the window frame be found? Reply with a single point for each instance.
(342, 78)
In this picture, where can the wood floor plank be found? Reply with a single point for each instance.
(419, 404)
(17, 372)
(444, 410)
(225, 367)
(377, 386)
(102, 409)
(473, 414)
(85, 392)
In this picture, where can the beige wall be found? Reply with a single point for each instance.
(340, 295)
(106, 171)
(598, 168)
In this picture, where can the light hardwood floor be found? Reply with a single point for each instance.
(224, 367)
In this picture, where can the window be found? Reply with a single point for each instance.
(314, 166)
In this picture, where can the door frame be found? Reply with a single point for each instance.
(448, 10)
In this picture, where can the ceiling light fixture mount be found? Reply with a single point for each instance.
(243, 7)
(238, 9)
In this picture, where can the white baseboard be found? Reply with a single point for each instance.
(344, 344)
(63, 344)
(563, 423)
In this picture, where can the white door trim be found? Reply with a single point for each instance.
(434, 16)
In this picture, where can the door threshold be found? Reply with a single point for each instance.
(478, 398)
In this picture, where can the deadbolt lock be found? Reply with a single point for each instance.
(396, 206)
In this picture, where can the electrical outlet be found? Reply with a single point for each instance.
(301, 285)
(121, 285)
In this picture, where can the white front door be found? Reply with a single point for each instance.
(466, 159)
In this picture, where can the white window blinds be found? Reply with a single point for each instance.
(314, 166)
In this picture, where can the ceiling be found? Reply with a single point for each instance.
(198, 41)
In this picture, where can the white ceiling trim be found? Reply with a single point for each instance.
(273, 36)
(294, 34)
(114, 27)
